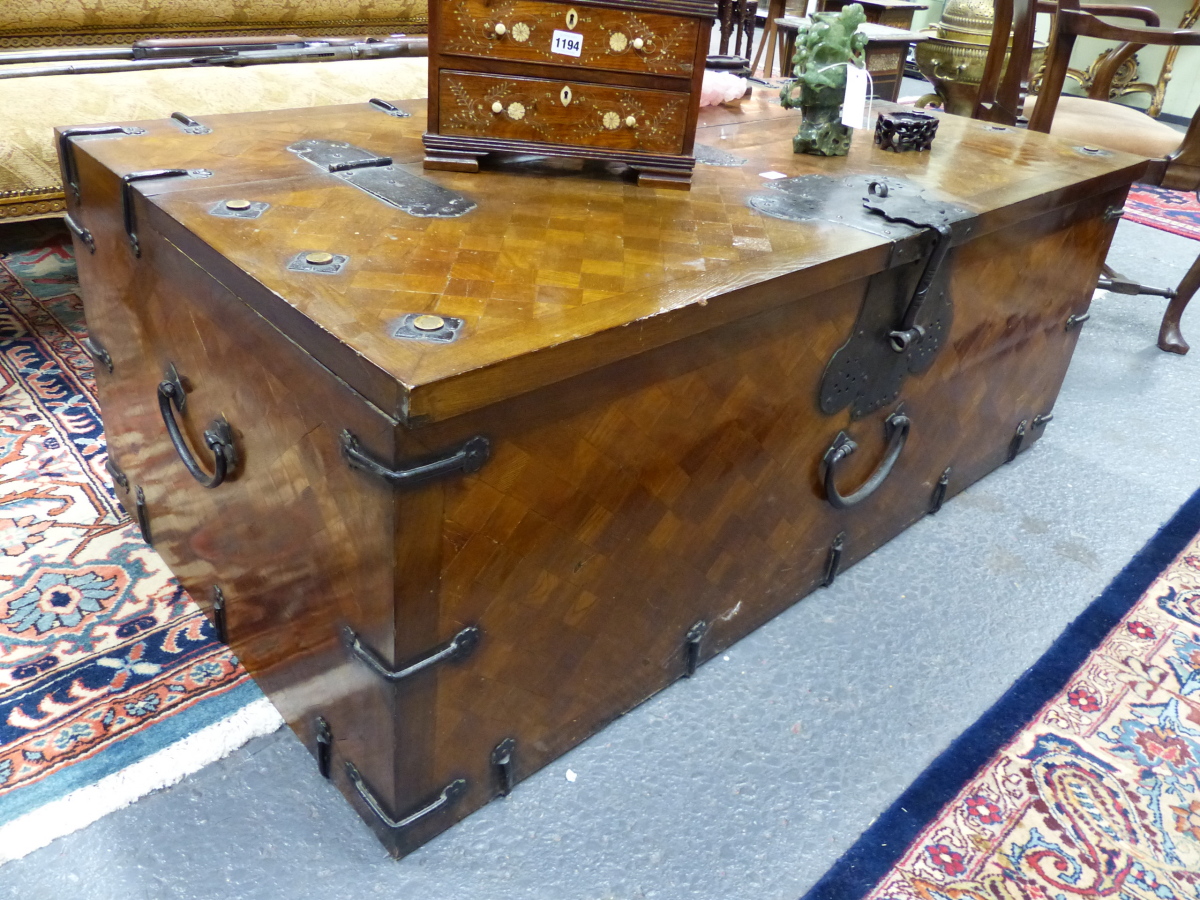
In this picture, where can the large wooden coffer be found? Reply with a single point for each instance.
(594, 79)
(493, 470)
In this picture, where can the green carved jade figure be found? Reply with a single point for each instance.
(824, 48)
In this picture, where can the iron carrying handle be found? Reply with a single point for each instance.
(896, 427)
(218, 436)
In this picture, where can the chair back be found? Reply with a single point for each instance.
(1005, 80)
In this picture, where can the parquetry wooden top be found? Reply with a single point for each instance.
(563, 267)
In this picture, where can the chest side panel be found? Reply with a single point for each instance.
(631, 504)
(297, 544)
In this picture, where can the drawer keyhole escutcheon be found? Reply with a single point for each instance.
(572, 19)
(565, 95)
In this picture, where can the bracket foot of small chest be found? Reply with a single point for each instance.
(675, 179)
(452, 160)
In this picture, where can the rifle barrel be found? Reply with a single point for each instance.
(86, 67)
(313, 51)
(65, 54)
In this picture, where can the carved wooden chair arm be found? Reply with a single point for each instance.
(1143, 14)
(1072, 22)
(1085, 24)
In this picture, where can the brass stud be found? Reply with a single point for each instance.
(428, 323)
(319, 258)
(237, 204)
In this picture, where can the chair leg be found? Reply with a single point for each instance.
(1169, 336)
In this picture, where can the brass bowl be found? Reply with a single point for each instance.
(955, 69)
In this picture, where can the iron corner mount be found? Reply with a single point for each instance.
(466, 458)
(456, 648)
(448, 795)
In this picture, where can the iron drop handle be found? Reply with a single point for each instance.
(218, 436)
(896, 427)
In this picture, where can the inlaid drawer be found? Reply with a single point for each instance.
(560, 112)
(524, 30)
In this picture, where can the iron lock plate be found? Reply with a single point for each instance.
(382, 178)
(907, 311)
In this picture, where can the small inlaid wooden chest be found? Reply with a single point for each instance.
(608, 81)
(465, 466)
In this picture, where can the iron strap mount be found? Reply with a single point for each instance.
(907, 311)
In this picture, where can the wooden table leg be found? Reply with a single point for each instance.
(775, 9)
(1170, 338)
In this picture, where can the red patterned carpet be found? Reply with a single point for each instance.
(1083, 781)
(1174, 211)
(111, 681)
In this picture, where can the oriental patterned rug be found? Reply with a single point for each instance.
(1174, 211)
(112, 683)
(1083, 780)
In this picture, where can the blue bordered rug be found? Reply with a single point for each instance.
(1083, 780)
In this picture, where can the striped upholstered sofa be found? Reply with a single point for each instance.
(30, 107)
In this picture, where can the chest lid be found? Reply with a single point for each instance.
(435, 293)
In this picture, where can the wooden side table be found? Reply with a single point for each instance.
(896, 13)
(887, 48)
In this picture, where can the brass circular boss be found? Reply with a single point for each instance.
(428, 323)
